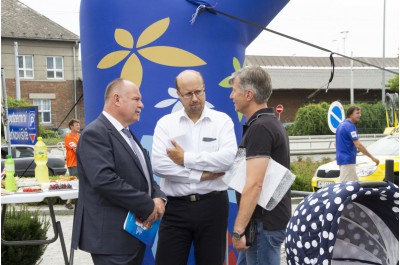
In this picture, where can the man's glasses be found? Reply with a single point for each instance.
(189, 95)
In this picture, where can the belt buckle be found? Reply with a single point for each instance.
(193, 198)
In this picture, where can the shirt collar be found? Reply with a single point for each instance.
(113, 121)
(260, 112)
(205, 114)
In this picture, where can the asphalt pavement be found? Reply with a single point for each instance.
(53, 254)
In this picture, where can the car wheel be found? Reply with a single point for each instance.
(51, 172)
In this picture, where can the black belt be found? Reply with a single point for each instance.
(195, 197)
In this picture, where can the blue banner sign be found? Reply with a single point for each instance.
(23, 123)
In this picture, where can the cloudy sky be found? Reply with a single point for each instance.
(316, 21)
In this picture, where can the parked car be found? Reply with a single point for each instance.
(386, 148)
(25, 165)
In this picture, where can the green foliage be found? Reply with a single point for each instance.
(304, 171)
(373, 119)
(23, 225)
(12, 103)
(393, 84)
(46, 134)
(312, 119)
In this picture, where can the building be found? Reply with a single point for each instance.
(50, 72)
(48, 66)
(302, 80)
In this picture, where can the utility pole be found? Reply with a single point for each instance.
(17, 82)
(351, 80)
(383, 53)
(4, 115)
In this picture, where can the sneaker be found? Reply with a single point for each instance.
(69, 206)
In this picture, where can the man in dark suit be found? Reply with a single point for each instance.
(115, 177)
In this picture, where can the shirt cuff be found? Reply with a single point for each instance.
(189, 163)
(195, 175)
(165, 200)
(189, 159)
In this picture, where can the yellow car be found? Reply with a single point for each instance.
(386, 148)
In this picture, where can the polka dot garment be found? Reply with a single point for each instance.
(345, 223)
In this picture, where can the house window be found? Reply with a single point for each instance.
(25, 66)
(55, 67)
(44, 109)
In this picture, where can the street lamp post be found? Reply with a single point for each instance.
(337, 45)
(344, 33)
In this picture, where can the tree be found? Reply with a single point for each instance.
(393, 84)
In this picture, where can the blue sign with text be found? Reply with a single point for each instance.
(23, 123)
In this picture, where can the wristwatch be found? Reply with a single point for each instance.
(237, 235)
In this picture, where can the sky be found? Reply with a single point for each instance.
(320, 22)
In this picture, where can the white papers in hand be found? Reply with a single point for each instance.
(183, 140)
(277, 180)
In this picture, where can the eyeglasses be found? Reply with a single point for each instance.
(189, 95)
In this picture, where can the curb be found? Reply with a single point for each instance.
(297, 200)
(44, 209)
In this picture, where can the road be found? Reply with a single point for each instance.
(53, 254)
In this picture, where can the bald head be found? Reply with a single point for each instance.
(186, 75)
(112, 87)
(123, 101)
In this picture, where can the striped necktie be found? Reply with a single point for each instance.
(139, 155)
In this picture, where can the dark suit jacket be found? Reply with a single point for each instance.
(111, 183)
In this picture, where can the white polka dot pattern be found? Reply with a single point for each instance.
(338, 221)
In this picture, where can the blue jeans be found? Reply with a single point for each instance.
(266, 248)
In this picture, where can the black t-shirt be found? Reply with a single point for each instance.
(264, 135)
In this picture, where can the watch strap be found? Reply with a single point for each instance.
(238, 235)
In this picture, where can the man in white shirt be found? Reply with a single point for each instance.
(192, 148)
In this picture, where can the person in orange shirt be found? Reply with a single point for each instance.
(71, 142)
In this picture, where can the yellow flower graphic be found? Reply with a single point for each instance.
(225, 83)
(165, 55)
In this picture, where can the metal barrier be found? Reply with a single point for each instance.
(301, 193)
(302, 145)
(323, 144)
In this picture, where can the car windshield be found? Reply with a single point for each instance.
(385, 146)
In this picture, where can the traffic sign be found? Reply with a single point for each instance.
(335, 115)
(279, 108)
(23, 124)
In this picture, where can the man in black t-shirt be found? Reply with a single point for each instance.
(264, 137)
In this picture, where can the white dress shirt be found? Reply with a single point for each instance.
(119, 128)
(209, 145)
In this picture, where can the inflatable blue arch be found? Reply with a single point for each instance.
(151, 41)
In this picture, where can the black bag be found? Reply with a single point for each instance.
(250, 232)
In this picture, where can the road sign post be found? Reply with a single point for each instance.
(279, 110)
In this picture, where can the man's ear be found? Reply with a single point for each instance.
(248, 95)
(116, 99)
